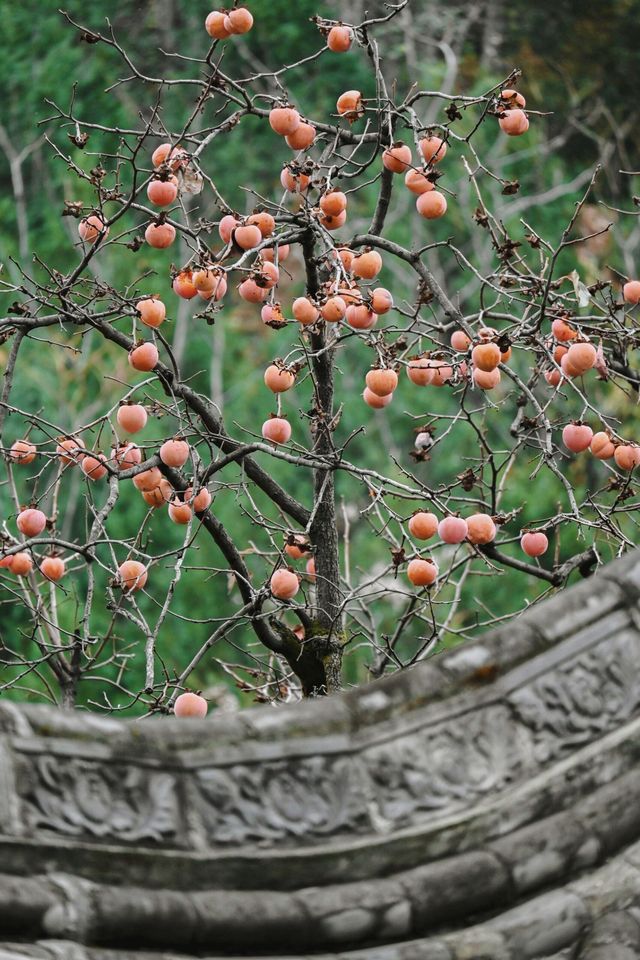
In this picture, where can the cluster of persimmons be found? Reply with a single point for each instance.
(350, 299)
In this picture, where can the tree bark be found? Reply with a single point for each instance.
(328, 635)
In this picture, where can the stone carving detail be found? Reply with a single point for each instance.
(75, 796)
(449, 765)
(582, 699)
(442, 768)
(306, 799)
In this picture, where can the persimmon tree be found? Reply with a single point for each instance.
(526, 344)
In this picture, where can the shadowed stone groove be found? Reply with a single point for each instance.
(480, 806)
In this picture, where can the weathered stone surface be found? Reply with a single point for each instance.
(615, 936)
(457, 811)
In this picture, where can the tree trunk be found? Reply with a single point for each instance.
(328, 634)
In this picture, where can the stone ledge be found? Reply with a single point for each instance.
(370, 824)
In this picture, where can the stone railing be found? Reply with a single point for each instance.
(481, 806)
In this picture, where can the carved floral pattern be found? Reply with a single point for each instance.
(385, 786)
(307, 798)
(448, 766)
(583, 698)
(75, 796)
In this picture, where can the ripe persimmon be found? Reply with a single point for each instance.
(239, 20)
(631, 291)
(22, 564)
(339, 38)
(284, 584)
(127, 455)
(174, 157)
(152, 311)
(145, 357)
(347, 257)
(431, 205)
(215, 25)
(132, 417)
(568, 369)
(294, 182)
(161, 193)
(480, 529)
(22, 452)
(31, 522)
(350, 106)
(381, 301)
(626, 456)
(333, 309)
(227, 225)
(190, 705)
(441, 372)
(305, 311)
(92, 227)
(602, 446)
(333, 202)
(577, 437)
(534, 544)
(302, 137)
(184, 286)
(282, 249)
(250, 291)
(460, 341)
(219, 287)
(367, 265)
(53, 568)
(333, 223)
(201, 501)
(284, 120)
(160, 235)
(423, 525)
(148, 479)
(382, 381)
(276, 429)
(513, 97)
(159, 495)
(422, 573)
(247, 236)
(263, 220)
(452, 529)
(486, 356)
(581, 356)
(397, 158)
(278, 379)
(433, 149)
(298, 548)
(360, 317)
(514, 122)
(417, 182)
(420, 371)
(486, 379)
(94, 466)
(174, 453)
(271, 314)
(562, 330)
(179, 511)
(373, 400)
(69, 449)
(132, 576)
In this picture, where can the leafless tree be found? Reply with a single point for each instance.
(521, 304)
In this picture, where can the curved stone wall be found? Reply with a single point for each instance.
(483, 805)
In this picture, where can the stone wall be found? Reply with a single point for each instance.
(481, 806)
